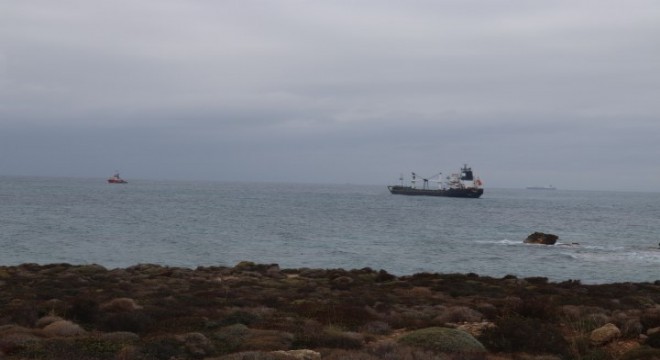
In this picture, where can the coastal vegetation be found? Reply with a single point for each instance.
(263, 312)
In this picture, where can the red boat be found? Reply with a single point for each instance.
(115, 179)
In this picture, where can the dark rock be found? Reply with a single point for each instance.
(384, 276)
(342, 282)
(541, 238)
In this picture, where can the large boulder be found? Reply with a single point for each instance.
(541, 238)
(47, 320)
(604, 334)
(63, 328)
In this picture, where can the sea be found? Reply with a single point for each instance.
(604, 236)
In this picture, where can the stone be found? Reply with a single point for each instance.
(47, 320)
(541, 238)
(120, 305)
(652, 331)
(63, 328)
(302, 354)
(604, 334)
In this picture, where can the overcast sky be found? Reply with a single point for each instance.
(356, 91)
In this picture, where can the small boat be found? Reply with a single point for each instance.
(461, 185)
(115, 179)
(550, 187)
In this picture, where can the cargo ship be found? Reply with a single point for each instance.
(461, 185)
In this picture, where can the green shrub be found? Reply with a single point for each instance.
(161, 348)
(240, 317)
(134, 321)
(83, 310)
(457, 314)
(182, 324)
(515, 334)
(312, 334)
(654, 340)
(650, 318)
(376, 327)
(339, 314)
(267, 340)
(254, 355)
(443, 340)
(335, 338)
(536, 307)
(229, 338)
(81, 348)
(597, 354)
(642, 353)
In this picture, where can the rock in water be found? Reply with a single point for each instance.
(541, 238)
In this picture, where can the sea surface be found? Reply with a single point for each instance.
(604, 237)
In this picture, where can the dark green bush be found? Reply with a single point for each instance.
(161, 348)
(642, 353)
(536, 307)
(338, 339)
(182, 324)
(442, 340)
(312, 334)
(340, 314)
(597, 354)
(229, 338)
(267, 340)
(654, 340)
(516, 334)
(83, 348)
(240, 317)
(254, 355)
(83, 310)
(134, 321)
(650, 318)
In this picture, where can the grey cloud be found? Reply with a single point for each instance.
(345, 91)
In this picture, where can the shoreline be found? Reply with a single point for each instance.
(289, 269)
(397, 274)
(148, 311)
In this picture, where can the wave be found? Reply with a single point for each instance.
(588, 252)
(651, 256)
(500, 242)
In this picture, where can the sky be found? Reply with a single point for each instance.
(561, 92)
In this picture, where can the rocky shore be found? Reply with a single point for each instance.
(263, 312)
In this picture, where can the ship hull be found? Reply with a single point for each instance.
(472, 193)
